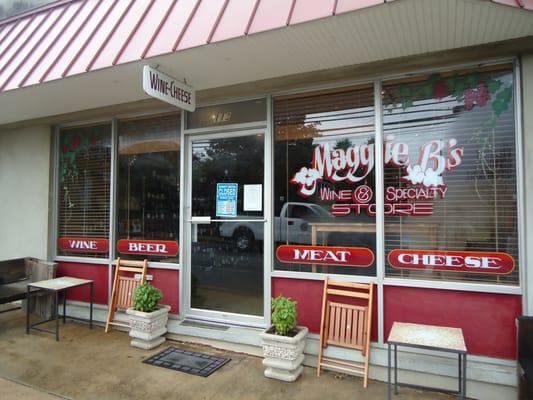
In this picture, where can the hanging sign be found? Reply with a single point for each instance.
(84, 245)
(227, 199)
(326, 255)
(148, 247)
(168, 89)
(455, 261)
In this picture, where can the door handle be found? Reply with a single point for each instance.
(201, 220)
(290, 223)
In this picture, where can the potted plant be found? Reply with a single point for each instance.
(284, 342)
(148, 319)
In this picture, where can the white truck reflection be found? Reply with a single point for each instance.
(291, 226)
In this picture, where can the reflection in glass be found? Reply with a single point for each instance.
(84, 186)
(227, 114)
(227, 255)
(324, 146)
(148, 176)
(474, 208)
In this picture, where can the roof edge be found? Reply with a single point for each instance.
(34, 10)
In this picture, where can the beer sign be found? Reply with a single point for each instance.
(165, 248)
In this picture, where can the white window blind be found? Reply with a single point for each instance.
(335, 122)
(477, 215)
(84, 190)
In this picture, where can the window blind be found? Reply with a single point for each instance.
(84, 190)
(148, 185)
(478, 213)
(335, 121)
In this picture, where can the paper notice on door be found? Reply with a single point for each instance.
(253, 197)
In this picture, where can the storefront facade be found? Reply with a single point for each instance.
(413, 175)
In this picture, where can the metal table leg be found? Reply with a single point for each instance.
(28, 309)
(388, 372)
(395, 369)
(91, 310)
(459, 374)
(464, 376)
(64, 305)
(57, 314)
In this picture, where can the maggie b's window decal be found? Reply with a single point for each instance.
(425, 173)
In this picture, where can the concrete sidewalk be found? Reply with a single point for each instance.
(10, 390)
(90, 364)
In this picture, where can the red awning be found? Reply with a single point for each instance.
(71, 37)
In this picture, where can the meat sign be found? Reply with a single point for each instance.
(326, 255)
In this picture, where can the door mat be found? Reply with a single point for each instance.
(187, 361)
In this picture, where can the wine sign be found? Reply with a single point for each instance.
(326, 255)
(84, 245)
(472, 262)
(168, 89)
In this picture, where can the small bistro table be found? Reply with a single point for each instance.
(427, 337)
(55, 286)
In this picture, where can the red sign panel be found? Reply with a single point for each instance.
(455, 261)
(148, 247)
(84, 245)
(326, 255)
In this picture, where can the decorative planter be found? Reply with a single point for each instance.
(147, 329)
(284, 354)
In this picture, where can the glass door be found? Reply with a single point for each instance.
(226, 225)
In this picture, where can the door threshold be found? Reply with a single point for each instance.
(204, 325)
(228, 337)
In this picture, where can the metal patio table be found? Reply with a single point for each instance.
(429, 337)
(55, 286)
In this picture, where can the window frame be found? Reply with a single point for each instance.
(380, 279)
(173, 111)
(56, 191)
(112, 255)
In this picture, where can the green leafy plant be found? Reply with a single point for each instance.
(284, 315)
(146, 298)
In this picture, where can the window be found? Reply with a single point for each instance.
(227, 114)
(450, 177)
(324, 162)
(84, 189)
(148, 188)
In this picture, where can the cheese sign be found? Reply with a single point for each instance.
(83, 244)
(326, 255)
(168, 89)
(148, 247)
(471, 262)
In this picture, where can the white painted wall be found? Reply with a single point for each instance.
(24, 192)
(527, 130)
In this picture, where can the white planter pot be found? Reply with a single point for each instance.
(148, 329)
(283, 355)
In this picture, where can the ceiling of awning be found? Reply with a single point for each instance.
(89, 53)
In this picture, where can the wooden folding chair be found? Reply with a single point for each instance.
(346, 325)
(124, 286)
